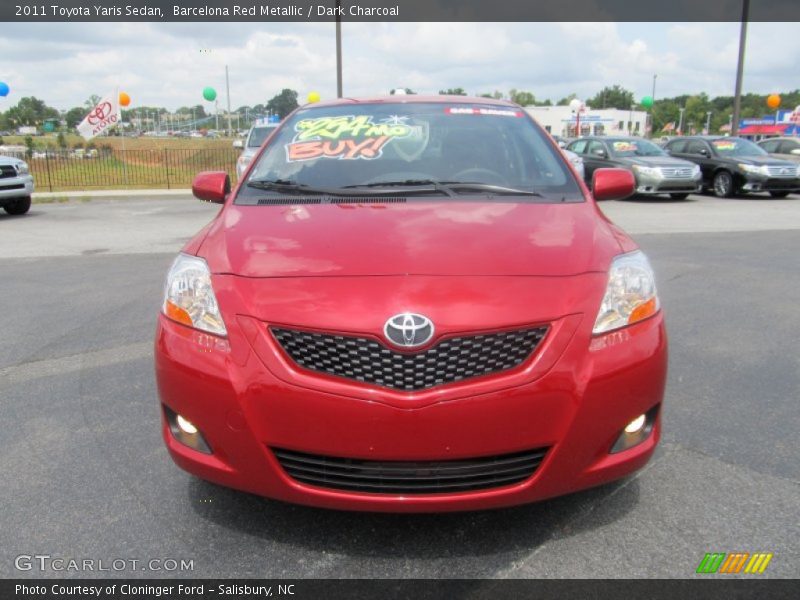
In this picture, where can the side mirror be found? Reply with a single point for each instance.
(600, 153)
(238, 144)
(612, 184)
(702, 152)
(211, 186)
(795, 151)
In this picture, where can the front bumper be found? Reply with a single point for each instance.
(245, 401)
(12, 188)
(770, 184)
(664, 185)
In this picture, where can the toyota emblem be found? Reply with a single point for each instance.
(408, 330)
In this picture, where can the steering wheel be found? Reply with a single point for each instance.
(479, 174)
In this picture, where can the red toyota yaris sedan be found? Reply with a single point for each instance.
(411, 304)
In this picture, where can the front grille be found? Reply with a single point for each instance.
(410, 477)
(368, 361)
(781, 171)
(7, 171)
(15, 186)
(676, 172)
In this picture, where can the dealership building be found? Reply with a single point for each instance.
(562, 120)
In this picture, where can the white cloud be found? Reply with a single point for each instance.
(162, 64)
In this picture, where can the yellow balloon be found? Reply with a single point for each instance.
(124, 99)
(773, 101)
(313, 97)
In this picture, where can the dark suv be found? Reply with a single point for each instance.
(732, 165)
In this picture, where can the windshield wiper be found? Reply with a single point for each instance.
(286, 185)
(436, 186)
(500, 190)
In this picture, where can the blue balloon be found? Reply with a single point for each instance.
(4, 89)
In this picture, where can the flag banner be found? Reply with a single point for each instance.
(102, 117)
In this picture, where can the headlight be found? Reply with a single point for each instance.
(756, 170)
(648, 171)
(22, 168)
(189, 298)
(630, 293)
(695, 170)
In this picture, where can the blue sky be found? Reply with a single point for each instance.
(162, 63)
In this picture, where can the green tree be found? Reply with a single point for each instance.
(522, 98)
(496, 95)
(284, 103)
(28, 146)
(74, 116)
(566, 100)
(61, 141)
(453, 92)
(612, 97)
(31, 111)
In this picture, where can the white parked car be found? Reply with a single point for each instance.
(16, 185)
(576, 161)
(258, 133)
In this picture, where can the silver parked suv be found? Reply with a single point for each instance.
(16, 185)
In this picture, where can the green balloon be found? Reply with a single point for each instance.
(210, 94)
(647, 102)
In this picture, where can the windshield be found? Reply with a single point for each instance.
(432, 146)
(737, 147)
(622, 148)
(258, 135)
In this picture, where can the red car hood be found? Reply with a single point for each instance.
(417, 238)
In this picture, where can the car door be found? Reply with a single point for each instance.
(596, 157)
(789, 150)
(700, 153)
(579, 148)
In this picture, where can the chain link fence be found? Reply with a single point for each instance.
(104, 168)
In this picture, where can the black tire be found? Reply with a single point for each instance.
(18, 207)
(681, 196)
(779, 194)
(723, 185)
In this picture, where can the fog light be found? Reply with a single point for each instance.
(632, 427)
(185, 432)
(187, 427)
(636, 431)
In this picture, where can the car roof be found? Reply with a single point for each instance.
(414, 99)
(782, 137)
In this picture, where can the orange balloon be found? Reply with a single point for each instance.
(124, 99)
(773, 101)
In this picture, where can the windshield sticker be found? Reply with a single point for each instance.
(347, 138)
(492, 112)
(724, 144)
(624, 147)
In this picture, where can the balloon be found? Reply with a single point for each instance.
(575, 105)
(313, 97)
(773, 101)
(4, 89)
(210, 94)
(124, 99)
(647, 102)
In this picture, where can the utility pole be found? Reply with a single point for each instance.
(737, 98)
(338, 50)
(228, 93)
(708, 123)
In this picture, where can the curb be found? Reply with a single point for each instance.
(111, 193)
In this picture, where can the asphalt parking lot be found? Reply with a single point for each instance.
(85, 474)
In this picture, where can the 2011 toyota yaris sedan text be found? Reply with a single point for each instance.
(411, 304)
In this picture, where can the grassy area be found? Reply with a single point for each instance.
(50, 141)
(144, 162)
